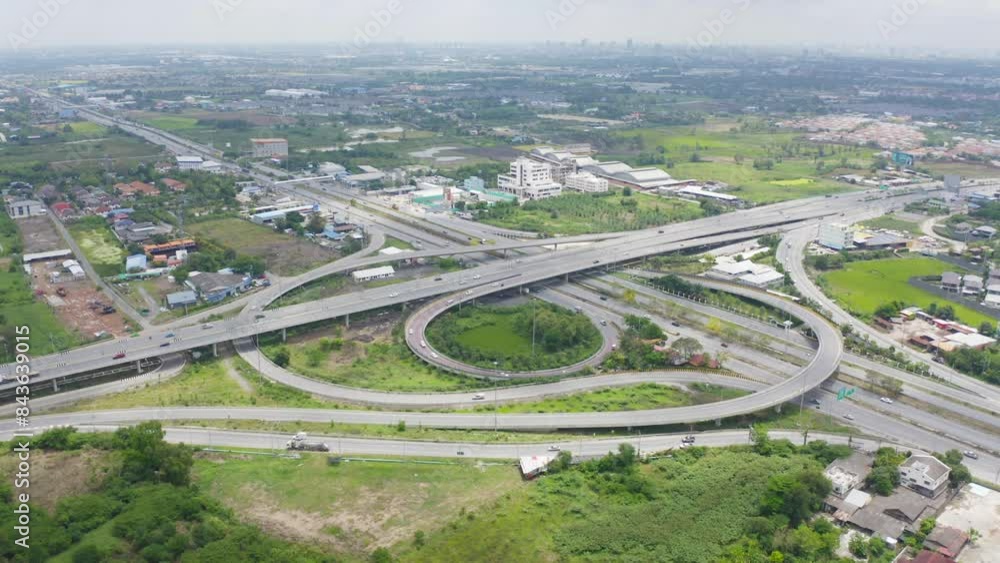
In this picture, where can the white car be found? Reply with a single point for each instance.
(433, 355)
(476, 277)
(479, 397)
(886, 400)
(423, 344)
(411, 332)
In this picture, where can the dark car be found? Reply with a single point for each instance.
(164, 345)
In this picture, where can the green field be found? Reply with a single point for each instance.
(385, 363)
(104, 252)
(354, 507)
(501, 337)
(18, 307)
(95, 150)
(646, 396)
(892, 223)
(577, 214)
(727, 156)
(863, 286)
(690, 508)
(207, 384)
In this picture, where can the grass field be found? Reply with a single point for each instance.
(354, 507)
(645, 396)
(727, 156)
(104, 252)
(373, 358)
(94, 150)
(701, 504)
(892, 223)
(501, 337)
(863, 286)
(577, 214)
(283, 254)
(207, 384)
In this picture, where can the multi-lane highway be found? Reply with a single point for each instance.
(491, 277)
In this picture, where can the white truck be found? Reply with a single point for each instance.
(300, 442)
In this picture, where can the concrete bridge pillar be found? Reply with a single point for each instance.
(284, 335)
(567, 278)
(777, 408)
(138, 366)
(215, 349)
(347, 320)
(55, 386)
(718, 422)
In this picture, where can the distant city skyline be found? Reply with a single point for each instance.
(880, 24)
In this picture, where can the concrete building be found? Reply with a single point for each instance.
(586, 182)
(992, 296)
(137, 262)
(836, 236)
(270, 148)
(846, 474)
(924, 474)
(529, 180)
(25, 208)
(270, 216)
(383, 273)
(189, 162)
(74, 269)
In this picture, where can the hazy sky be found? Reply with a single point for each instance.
(951, 24)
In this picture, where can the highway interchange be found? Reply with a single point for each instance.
(500, 270)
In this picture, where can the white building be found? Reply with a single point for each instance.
(25, 208)
(836, 236)
(586, 182)
(992, 296)
(529, 180)
(383, 273)
(74, 269)
(270, 148)
(925, 474)
(189, 162)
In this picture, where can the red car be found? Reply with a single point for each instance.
(118, 356)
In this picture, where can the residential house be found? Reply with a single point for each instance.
(136, 188)
(984, 231)
(950, 281)
(846, 474)
(927, 556)
(992, 295)
(925, 474)
(174, 185)
(972, 284)
(25, 208)
(892, 516)
(946, 540)
(63, 210)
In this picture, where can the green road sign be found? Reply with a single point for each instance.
(845, 393)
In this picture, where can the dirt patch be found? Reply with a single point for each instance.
(58, 475)
(40, 235)
(78, 309)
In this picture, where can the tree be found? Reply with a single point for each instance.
(316, 224)
(282, 357)
(686, 347)
(147, 457)
(795, 496)
(628, 296)
(987, 328)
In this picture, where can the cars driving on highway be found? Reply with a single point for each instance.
(886, 400)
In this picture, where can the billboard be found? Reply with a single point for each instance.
(903, 159)
(952, 182)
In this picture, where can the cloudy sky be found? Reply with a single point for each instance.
(952, 24)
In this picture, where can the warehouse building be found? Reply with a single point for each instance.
(373, 274)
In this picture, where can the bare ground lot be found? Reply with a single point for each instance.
(75, 310)
(283, 254)
(976, 507)
(40, 235)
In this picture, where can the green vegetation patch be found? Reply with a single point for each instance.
(352, 507)
(893, 223)
(483, 335)
(645, 396)
(865, 286)
(577, 214)
(104, 252)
